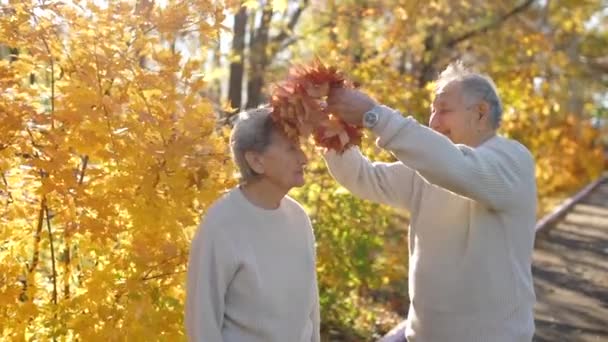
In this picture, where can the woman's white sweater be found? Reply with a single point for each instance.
(251, 274)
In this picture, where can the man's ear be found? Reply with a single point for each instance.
(483, 110)
(255, 162)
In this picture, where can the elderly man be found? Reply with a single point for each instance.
(472, 199)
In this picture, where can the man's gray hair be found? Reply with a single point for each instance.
(252, 132)
(476, 87)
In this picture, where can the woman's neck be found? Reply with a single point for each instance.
(263, 194)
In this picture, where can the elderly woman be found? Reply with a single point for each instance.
(251, 273)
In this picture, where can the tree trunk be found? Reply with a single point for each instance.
(355, 49)
(215, 91)
(235, 86)
(576, 90)
(429, 59)
(258, 60)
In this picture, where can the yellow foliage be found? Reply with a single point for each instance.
(108, 157)
(109, 150)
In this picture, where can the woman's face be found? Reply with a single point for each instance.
(283, 162)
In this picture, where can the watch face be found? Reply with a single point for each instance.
(370, 118)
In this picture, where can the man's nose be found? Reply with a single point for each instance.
(434, 122)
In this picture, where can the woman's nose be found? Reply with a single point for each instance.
(304, 159)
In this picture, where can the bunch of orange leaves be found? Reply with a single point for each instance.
(299, 106)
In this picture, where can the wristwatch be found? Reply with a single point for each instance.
(370, 118)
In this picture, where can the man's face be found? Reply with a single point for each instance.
(453, 117)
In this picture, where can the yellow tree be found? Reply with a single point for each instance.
(108, 155)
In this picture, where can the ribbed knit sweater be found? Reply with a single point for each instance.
(251, 274)
(471, 232)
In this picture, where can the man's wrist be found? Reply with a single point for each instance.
(371, 117)
(385, 116)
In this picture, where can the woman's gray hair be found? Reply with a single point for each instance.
(476, 87)
(252, 132)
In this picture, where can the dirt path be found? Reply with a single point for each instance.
(571, 273)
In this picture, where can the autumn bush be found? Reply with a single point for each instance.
(109, 154)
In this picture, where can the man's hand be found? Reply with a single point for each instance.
(349, 104)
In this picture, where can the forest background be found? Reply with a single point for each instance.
(113, 123)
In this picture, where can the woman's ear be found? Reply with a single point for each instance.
(255, 162)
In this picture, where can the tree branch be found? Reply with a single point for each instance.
(600, 64)
(433, 46)
(277, 43)
(85, 162)
(67, 269)
(52, 64)
(66, 236)
(101, 94)
(36, 256)
(293, 20)
(48, 225)
(161, 275)
(293, 39)
(491, 25)
(10, 196)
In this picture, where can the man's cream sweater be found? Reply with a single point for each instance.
(471, 232)
(251, 274)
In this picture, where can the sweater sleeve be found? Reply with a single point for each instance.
(211, 267)
(315, 314)
(491, 174)
(386, 183)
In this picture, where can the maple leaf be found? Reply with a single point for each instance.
(299, 106)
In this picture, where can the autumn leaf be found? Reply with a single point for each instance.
(299, 107)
